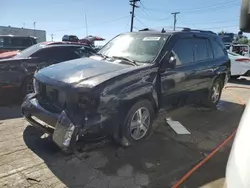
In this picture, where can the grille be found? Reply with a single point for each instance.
(51, 98)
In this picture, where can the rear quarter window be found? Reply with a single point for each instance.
(218, 49)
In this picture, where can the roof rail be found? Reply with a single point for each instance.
(197, 30)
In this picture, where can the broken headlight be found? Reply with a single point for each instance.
(86, 102)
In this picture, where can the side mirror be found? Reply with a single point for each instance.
(172, 62)
(168, 63)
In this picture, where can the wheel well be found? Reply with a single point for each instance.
(220, 77)
(125, 107)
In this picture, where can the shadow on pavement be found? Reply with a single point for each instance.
(158, 161)
(242, 81)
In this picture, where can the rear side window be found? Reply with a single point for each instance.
(218, 49)
(209, 49)
(200, 49)
(183, 50)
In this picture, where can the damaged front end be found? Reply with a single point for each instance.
(77, 118)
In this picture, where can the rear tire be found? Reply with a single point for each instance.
(138, 123)
(215, 93)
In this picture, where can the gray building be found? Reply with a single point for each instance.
(40, 34)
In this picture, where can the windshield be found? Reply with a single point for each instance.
(138, 47)
(29, 51)
(233, 54)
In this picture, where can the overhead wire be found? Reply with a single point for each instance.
(138, 20)
(150, 15)
(98, 24)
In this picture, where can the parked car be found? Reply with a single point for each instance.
(16, 73)
(241, 49)
(15, 42)
(240, 65)
(119, 91)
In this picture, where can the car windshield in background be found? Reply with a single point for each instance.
(29, 51)
(233, 54)
(137, 47)
(16, 42)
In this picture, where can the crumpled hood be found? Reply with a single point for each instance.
(88, 70)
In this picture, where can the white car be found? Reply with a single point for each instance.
(240, 65)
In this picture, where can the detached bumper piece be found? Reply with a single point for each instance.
(64, 134)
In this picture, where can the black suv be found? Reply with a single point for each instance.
(16, 73)
(119, 91)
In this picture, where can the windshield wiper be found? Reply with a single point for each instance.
(130, 61)
(104, 56)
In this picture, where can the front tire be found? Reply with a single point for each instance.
(138, 123)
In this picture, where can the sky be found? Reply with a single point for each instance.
(108, 18)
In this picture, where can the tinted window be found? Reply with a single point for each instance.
(200, 49)
(56, 54)
(209, 49)
(183, 51)
(218, 49)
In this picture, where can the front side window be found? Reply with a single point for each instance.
(139, 47)
(183, 50)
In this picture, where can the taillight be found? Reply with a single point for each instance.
(243, 60)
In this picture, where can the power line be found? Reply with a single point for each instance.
(215, 6)
(98, 24)
(143, 10)
(140, 22)
(133, 4)
(214, 22)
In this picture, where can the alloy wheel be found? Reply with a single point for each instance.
(140, 123)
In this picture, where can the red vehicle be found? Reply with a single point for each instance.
(15, 42)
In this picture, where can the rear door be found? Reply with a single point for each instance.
(203, 62)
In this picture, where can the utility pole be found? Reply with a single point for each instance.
(34, 24)
(175, 19)
(86, 25)
(52, 37)
(133, 4)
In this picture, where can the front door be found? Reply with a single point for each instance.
(178, 82)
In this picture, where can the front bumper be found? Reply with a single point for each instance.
(64, 132)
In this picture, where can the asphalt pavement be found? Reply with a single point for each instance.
(28, 158)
